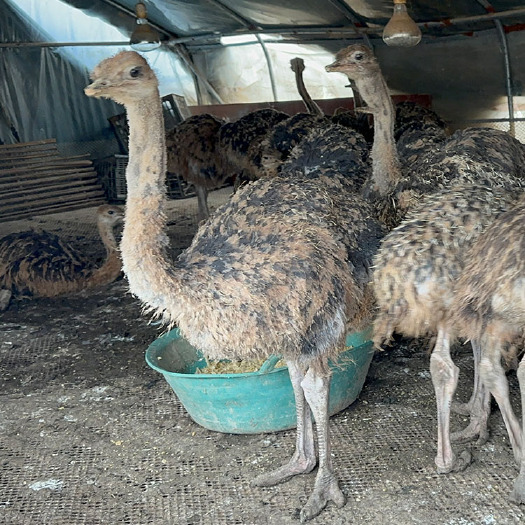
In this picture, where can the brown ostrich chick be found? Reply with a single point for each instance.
(193, 154)
(359, 63)
(489, 306)
(283, 266)
(40, 264)
(415, 273)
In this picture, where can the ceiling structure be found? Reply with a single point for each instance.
(468, 61)
(194, 29)
(197, 23)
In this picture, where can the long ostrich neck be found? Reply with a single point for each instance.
(310, 104)
(386, 169)
(111, 268)
(144, 242)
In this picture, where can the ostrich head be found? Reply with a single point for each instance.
(124, 78)
(109, 216)
(354, 61)
(297, 65)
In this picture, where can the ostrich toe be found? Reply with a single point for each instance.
(476, 431)
(459, 463)
(297, 465)
(518, 492)
(479, 415)
(326, 489)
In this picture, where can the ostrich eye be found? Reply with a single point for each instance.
(135, 72)
(111, 212)
(358, 56)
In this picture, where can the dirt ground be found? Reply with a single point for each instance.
(90, 435)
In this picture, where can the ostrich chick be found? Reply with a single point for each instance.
(239, 142)
(490, 306)
(40, 264)
(308, 240)
(359, 63)
(193, 154)
(415, 273)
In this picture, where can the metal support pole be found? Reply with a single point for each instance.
(508, 76)
(269, 65)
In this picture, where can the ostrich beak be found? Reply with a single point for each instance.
(332, 67)
(93, 89)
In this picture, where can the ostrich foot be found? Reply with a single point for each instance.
(5, 298)
(296, 465)
(463, 409)
(518, 492)
(326, 489)
(475, 431)
(458, 463)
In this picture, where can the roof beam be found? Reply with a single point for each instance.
(351, 16)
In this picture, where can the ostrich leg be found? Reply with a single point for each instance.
(202, 199)
(478, 407)
(445, 379)
(316, 390)
(493, 375)
(304, 458)
(518, 491)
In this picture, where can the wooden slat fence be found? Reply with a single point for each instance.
(36, 180)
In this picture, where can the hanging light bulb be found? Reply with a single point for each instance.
(144, 37)
(401, 30)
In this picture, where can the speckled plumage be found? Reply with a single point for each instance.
(490, 295)
(193, 153)
(417, 131)
(415, 274)
(480, 156)
(411, 116)
(490, 306)
(239, 140)
(332, 146)
(420, 260)
(282, 267)
(41, 264)
(307, 239)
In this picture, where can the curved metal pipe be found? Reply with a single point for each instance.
(269, 65)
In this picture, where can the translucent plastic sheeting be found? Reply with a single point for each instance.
(42, 89)
(248, 80)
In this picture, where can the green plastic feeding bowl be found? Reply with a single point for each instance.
(253, 402)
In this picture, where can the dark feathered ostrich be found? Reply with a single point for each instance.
(194, 154)
(417, 130)
(284, 265)
(418, 263)
(309, 138)
(239, 142)
(490, 306)
(40, 264)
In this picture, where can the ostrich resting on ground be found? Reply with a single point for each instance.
(282, 267)
(40, 264)
(490, 306)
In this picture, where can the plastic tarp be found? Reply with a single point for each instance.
(240, 74)
(42, 89)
